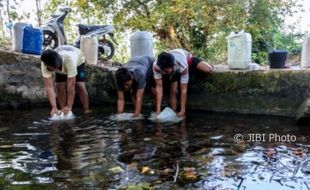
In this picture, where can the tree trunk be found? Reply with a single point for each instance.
(171, 39)
(1, 23)
(8, 9)
(9, 14)
(39, 13)
(175, 42)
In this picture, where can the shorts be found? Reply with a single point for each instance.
(192, 64)
(80, 77)
(167, 79)
(194, 73)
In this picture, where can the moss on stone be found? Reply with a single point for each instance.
(278, 92)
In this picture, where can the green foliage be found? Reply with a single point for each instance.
(201, 26)
(260, 57)
(122, 50)
(290, 42)
(4, 42)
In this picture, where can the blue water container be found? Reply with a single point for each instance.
(32, 40)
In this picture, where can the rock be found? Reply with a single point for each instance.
(28, 95)
(40, 93)
(36, 92)
(189, 174)
(17, 72)
(306, 169)
(22, 89)
(11, 89)
(116, 170)
(127, 156)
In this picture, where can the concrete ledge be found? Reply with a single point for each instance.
(11, 57)
(271, 92)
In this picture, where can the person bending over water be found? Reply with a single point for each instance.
(135, 77)
(68, 63)
(176, 64)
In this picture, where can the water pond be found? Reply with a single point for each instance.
(204, 151)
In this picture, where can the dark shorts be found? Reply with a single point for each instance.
(80, 77)
(193, 62)
(167, 80)
(194, 73)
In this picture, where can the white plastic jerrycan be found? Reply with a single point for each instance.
(89, 47)
(141, 44)
(305, 53)
(239, 50)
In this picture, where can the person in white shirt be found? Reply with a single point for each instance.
(68, 63)
(178, 64)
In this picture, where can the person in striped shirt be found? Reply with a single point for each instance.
(177, 65)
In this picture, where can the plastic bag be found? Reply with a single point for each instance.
(125, 117)
(166, 116)
(62, 117)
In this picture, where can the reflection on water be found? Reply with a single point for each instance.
(94, 152)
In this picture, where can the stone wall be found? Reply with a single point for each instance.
(272, 92)
(20, 80)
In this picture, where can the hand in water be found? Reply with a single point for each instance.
(54, 111)
(181, 114)
(156, 115)
(119, 113)
(135, 115)
(66, 110)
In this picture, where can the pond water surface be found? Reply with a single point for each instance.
(201, 152)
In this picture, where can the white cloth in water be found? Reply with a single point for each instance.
(166, 116)
(61, 117)
(125, 117)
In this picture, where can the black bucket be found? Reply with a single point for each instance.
(277, 59)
